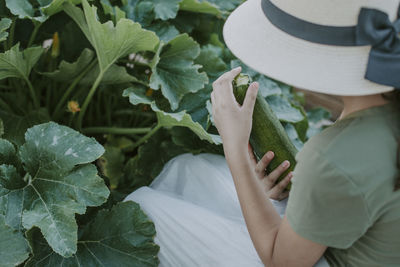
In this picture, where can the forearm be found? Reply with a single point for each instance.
(261, 218)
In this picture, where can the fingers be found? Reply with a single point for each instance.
(278, 191)
(275, 174)
(251, 96)
(263, 163)
(222, 87)
(230, 75)
(227, 77)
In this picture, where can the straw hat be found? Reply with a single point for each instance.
(329, 46)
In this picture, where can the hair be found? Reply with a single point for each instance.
(394, 96)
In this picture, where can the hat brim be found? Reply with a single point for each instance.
(336, 70)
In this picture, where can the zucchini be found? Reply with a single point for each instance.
(267, 133)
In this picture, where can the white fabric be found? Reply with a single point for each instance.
(336, 70)
(197, 216)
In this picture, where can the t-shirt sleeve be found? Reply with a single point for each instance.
(324, 205)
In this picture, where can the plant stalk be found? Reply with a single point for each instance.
(131, 112)
(11, 36)
(115, 130)
(36, 103)
(69, 90)
(34, 33)
(143, 139)
(88, 98)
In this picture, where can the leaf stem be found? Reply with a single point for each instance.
(143, 139)
(134, 112)
(12, 30)
(115, 130)
(34, 33)
(33, 94)
(57, 110)
(88, 98)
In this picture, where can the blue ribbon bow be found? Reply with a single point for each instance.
(374, 28)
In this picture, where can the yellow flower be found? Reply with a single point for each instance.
(55, 48)
(149, 92)
(73, 107)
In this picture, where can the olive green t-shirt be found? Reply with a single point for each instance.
(343, 189)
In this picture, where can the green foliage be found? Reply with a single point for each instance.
(107, 240)
(51, 155)
(174, 71)
(4, 25)
(40, 12)
(14, 63)
(134, 74)
(168, 119)
(14, 248)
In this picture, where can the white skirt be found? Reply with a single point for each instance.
(196, 212)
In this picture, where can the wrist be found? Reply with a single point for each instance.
(236, 151)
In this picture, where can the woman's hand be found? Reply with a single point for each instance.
(232, 120)
(273, 191)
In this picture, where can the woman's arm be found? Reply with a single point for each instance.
(273, 238)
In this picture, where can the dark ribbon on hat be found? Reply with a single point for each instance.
(374, 28)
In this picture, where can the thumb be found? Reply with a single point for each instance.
(251, 96)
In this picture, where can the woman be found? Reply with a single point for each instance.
(343, 208)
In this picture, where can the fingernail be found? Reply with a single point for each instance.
(285, 164)
(270, 154)
(238, 68)
(290, 175)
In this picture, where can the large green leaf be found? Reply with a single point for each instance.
(164, 30)
(284, 110)
(225, 5)
(112, 164)
(210, 59)
(175, 72)
(293, 135)
(40, 12)
(14, 63)
(15, 126)
(8, 154)
(165, 10)
(122, 236)
(14, 248)
(114, 75)
(186, 22)
(115, 12)
(111, 42)
(58, 184)
(195, 105)
(318, 119)
(139, 11)
(5, 23)
(200, 6)
(68, 71)
(145, 11)
(170, 119)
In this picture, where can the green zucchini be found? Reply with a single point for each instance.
(267, 133)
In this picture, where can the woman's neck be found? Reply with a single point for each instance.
(356, 103)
